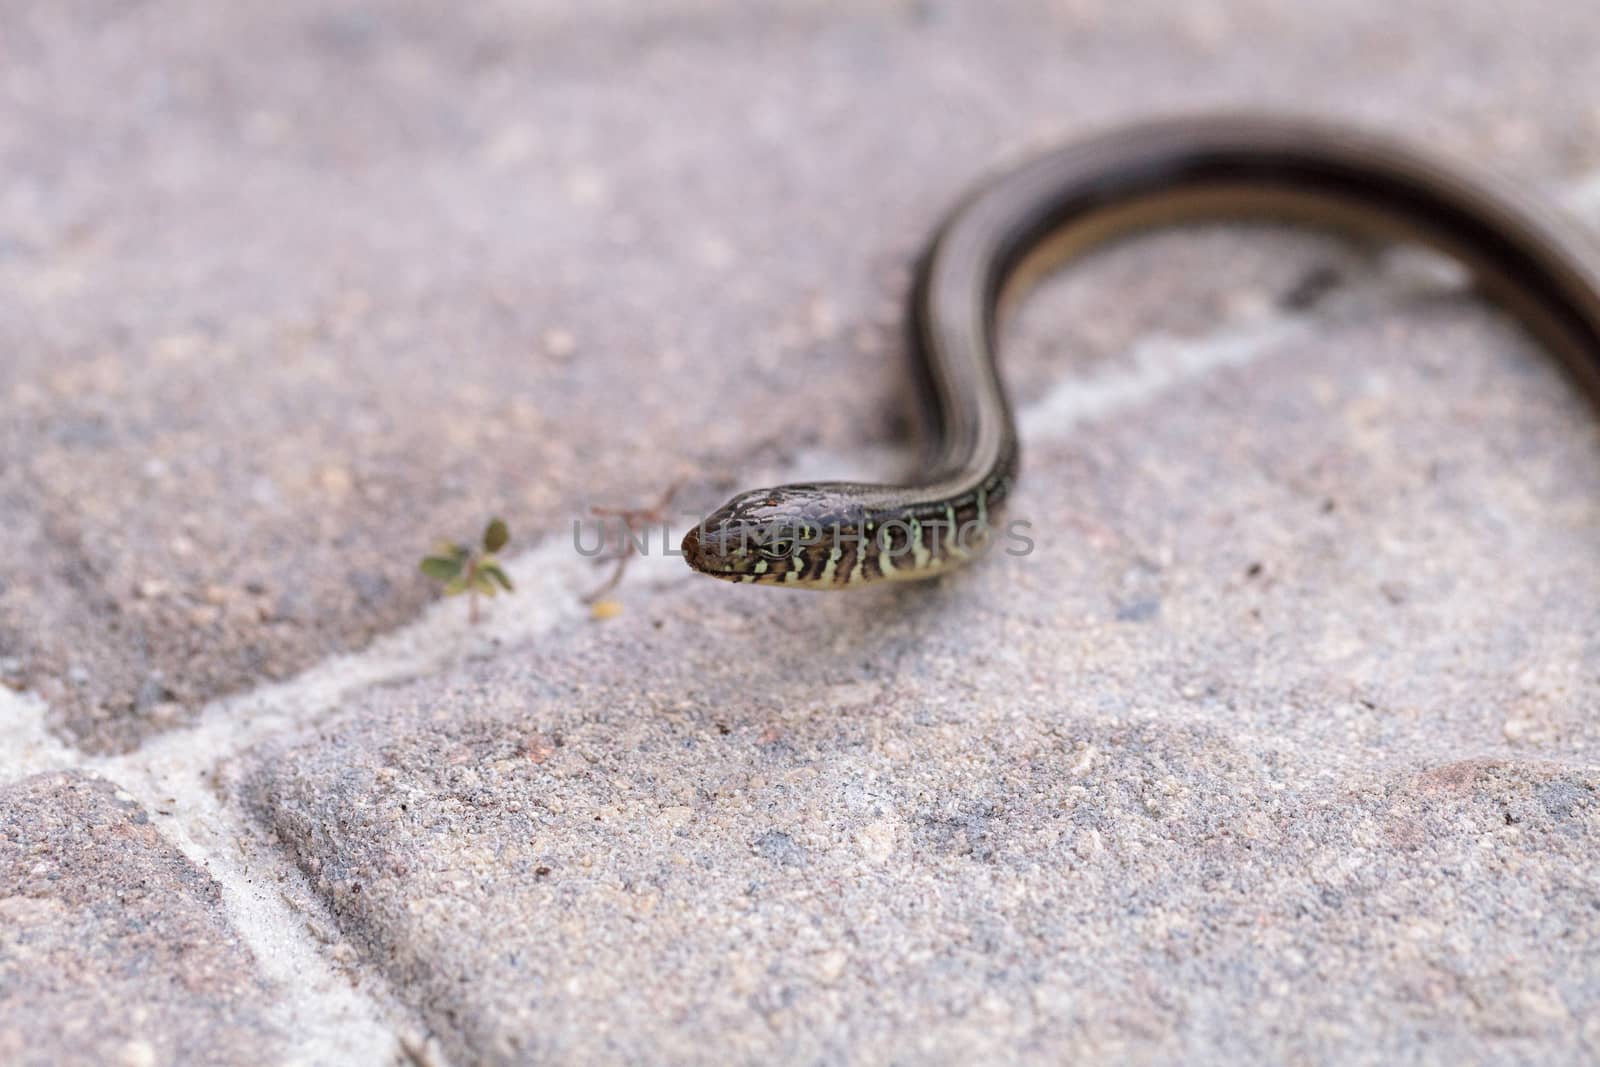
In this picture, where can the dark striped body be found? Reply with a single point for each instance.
(799, 535)
(837, 535)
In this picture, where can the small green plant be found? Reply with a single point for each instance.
(475, 573)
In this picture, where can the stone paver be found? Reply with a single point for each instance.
(114, 948)
(281, 314)
(1280, 747)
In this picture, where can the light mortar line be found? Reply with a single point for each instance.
(267, 900)
(327, 1017)
(27, 746)
(1158, 364)
(546, 579)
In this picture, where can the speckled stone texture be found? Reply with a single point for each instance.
(1281, 747)
(293, 290)
(113, 946)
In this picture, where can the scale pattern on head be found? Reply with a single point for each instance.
(775, 536)
(826, 536)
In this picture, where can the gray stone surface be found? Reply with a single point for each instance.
(294, 290)
(114, 948)
(1281, 747)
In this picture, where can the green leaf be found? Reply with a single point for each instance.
(493, 570)
(448, 549)
(495, 535)
(441, 568)
(483, 585)
(455, 586)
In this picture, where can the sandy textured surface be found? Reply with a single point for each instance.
(283, 314)
(1283, 745)
(113, 947)
(1279, 747)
